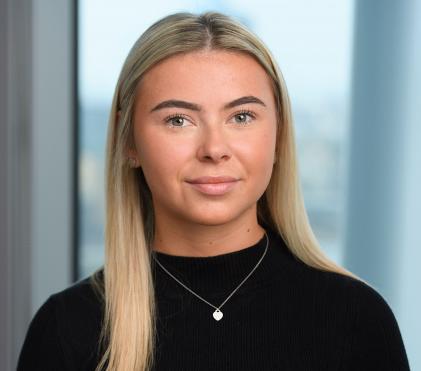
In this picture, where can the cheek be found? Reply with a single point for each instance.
(161, 157)
(258, 150)
(258, 157)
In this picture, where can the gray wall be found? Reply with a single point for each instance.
(36, 115)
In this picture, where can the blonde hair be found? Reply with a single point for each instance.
(126, 286)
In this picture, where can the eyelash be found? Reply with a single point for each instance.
(180, 115)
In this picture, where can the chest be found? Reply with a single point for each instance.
(265, 329)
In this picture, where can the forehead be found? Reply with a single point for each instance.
(207, 77)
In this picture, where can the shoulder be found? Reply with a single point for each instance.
(374, 337)
(79, 297)
(78, 310)
(362, 300)
(71, 305)
(329, 288)
(65, 330)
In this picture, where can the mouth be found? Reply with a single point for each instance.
(213, 185)
(212, 179)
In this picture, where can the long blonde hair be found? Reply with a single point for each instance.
(126, 285)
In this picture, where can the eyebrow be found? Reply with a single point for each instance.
(196, 107)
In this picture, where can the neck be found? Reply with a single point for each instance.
(196, 240)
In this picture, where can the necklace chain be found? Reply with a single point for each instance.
(217, 314)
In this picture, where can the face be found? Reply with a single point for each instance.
(199, 115)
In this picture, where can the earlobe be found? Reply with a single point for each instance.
(132, 157)
(133, 162)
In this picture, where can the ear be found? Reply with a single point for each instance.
(132, 158)
(131, 153)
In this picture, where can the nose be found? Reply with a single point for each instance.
(214, 145)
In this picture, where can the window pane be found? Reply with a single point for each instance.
(312, 44)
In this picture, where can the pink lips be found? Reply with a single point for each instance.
(218, 185)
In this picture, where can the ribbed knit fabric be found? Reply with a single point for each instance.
(286, 316)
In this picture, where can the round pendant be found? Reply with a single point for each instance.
(217, 314)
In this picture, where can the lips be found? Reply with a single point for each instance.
(218, 185)
(212, 180)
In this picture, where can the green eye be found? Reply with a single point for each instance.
(176, 120)
(241, 117)
(244, 117)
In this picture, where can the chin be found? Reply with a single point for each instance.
(209, 217)
(211, 223)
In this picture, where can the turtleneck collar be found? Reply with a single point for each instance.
(220, 274)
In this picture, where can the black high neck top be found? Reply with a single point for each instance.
(219, 275)
(285, 316)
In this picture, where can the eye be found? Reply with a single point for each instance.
(244, 117)
(176, 120)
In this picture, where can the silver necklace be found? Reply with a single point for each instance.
(217, 314)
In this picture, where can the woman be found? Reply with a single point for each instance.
(210, 260)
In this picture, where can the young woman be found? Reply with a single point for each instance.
(210, 261)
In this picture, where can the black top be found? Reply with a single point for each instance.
(286, 316)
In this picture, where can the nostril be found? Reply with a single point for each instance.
(217, 157)
(214, 153)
